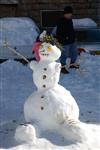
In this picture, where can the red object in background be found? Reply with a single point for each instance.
(80, 50)
(35, 50)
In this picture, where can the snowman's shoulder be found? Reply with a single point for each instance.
(33, 64)
(56, 63)
(57, 66)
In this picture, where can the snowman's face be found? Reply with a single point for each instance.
(49, 52)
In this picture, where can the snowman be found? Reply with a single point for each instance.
(51, 106)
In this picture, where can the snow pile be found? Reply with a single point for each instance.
(17, 85)
(25, 133)
(19, 32)
(84, 23)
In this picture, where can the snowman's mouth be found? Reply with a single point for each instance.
(44, 54)
(42, 51)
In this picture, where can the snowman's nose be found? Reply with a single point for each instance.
(49, 49)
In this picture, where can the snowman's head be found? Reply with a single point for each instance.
(49, 52)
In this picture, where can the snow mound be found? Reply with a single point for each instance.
(25, 133)
(19, 32)
(46, 145)
(84, 23)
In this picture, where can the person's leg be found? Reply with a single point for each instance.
(64, 54)
(73, 52)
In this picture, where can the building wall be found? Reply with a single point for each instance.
(98, 13)
(31, 8)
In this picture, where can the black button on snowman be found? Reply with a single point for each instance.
(44, 76)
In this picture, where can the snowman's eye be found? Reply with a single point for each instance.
(49, 48)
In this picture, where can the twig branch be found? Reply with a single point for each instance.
(17, 53)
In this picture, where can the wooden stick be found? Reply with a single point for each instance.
(17, 53)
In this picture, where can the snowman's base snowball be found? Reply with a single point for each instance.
(25, 133)
(51, 108)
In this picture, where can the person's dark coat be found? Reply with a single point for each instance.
(65, 33)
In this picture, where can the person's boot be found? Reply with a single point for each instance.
(63, 70)
(74, 66)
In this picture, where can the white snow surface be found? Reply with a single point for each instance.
(84, 23)
(19, 32)
(16, 85)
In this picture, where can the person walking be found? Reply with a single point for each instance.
(65, 35)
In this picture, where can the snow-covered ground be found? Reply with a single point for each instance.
(16, 85)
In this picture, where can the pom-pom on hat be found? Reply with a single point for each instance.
(68, 9)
